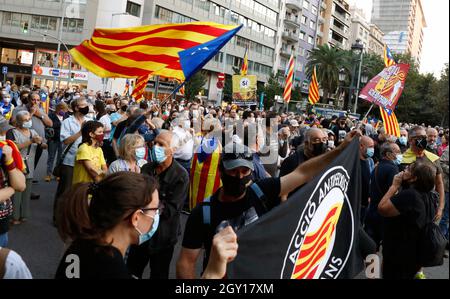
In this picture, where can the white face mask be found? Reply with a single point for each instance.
(7, 100)
(330, 143)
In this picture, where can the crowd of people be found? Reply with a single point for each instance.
(127, 170)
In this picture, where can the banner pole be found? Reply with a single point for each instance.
(368, 112)
(170, 95)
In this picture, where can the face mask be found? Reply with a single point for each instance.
(369, 152)
(76, 97)
(421, 144)
(84, 110)
(28, 124)
(398, 159)
(7, 100)
(155, 113)
(402, 140)
(124, 108)
(158, 154)
(234, 186)
(319, 148)
(2, 137)
(330, 143)
(140, 153)
(61, 113)
(147, 236)
(100, 137)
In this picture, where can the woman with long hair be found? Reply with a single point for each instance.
(132, 153)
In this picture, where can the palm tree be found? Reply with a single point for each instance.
(328, 61)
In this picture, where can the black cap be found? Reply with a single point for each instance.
(236, 155)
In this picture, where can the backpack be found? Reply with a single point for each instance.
(432, 242)
(207, 206)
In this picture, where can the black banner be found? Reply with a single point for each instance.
(314, 235)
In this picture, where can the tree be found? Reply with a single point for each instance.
(272, 88)
(328, 62)
(195, 85)
(441, 97)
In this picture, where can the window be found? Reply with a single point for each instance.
(311, 39)
(305, 4)
(218, 57)
(7, 17)
(73, 25)
(312, 24)
(203, 4)
(133, 9)
(302, 35)
(304, 20)
(314, 10)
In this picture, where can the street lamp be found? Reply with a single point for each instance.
(342, 75)
(357, 51)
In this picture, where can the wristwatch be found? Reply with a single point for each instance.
(42, 117)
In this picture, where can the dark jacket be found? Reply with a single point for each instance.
(173, 189)
(56, 125)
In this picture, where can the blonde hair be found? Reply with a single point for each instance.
(127, 143)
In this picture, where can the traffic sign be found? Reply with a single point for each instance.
(221, 77)
(220, 84)
(55, 72)
(4, 69)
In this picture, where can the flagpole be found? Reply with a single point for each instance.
(173, 91)
(368, 112)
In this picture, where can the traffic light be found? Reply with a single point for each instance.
(25, 27)
(72, 76)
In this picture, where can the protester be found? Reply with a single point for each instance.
(445, 167)
(132, 154)
(132, 113)
(173, 186)
(444, 144)
(12, 265)
(380, 181)
(366, 151)
(90, 164)
(185, 147)
(340, 130)
(103, 117)
(402, 142)
(6, 106)
(432, 146)
(238, 199)
(405, 213)
(55, 146)
(27, 141)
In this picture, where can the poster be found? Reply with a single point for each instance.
(244, 90)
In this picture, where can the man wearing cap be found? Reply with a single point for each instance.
(240, 201)
(340, 130)
(295, 139)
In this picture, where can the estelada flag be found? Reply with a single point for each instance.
(205, 174)
(15, 154)
(315, 234)
(170, 50)
(390, 122)
(386, 88)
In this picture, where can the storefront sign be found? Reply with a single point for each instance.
(63, 74)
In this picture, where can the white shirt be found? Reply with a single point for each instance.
(70, 126)
(106, 122)
(15, 267)
(185, 145)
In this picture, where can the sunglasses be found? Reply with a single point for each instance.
(235, 156)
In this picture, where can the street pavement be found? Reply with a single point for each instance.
(38, 243)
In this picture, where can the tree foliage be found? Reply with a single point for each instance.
(195, 85)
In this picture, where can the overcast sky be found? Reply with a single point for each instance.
(435, 50)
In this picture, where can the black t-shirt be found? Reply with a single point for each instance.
(293, 161)
(119, 129)
(401, 233)
(365, 182)
(198, 235)
(95, 262)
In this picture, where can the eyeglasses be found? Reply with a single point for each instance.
(158, 210)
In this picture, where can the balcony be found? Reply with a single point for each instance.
(319, 33)
(339, 31)
(321, 19)
(323, 5)
(336, 43)
(294, 4)
(292, 20)
(341, 17)
(290, 36)
(286, 51)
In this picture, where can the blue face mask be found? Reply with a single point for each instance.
(403, 140)
(147, 236)
(140, 153)
(158, 154)
(370, 151)
(398, 159)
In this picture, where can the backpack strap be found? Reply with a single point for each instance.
(259, 193)
(207, 211)
(3, 255)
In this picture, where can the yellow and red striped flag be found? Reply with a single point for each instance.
(139, 88)
(169, 50)
(289, 80)
(127, 88)
(388, 58)
(390, 123)
(244, 66)
(377, 125)
(313, 95)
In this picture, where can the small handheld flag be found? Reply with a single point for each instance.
(390, 122)
(388, 58)
(244, 66)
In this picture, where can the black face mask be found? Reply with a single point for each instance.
(319, 148)
(124, 108)
(234, 186)
(84, 110)
(421, 143)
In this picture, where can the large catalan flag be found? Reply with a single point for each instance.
(388, 58)
(313, 95)
(139, 88)
(205, 174)
(169, 50)
(390, 122)
(244, 66)
(289, 80)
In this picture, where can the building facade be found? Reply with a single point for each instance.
(376, 44)
(335, 24)
(402, 21)
(360, 28)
